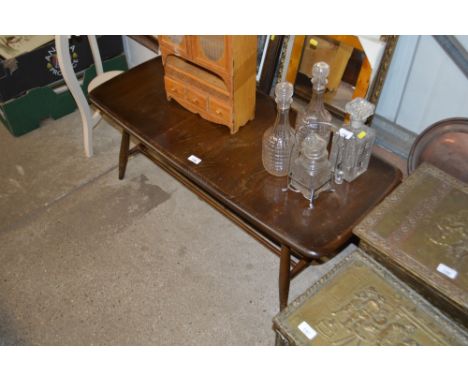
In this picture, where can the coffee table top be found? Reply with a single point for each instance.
(231, 169)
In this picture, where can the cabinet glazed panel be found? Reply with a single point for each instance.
(211, 52)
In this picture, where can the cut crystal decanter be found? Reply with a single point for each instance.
(310, 171)
(352, 144)
(314, 117)
(279, 139)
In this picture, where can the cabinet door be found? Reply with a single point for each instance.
(177, 44)
(212, 52)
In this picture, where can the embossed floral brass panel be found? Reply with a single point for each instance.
(359, 302)
(421, 231)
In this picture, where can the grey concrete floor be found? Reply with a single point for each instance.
(86, 259)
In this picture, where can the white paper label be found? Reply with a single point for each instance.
(308, 331)
(345, 133)
(194, 159)
(447, 271)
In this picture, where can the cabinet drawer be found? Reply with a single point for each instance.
(195, 98)
(174, 87)
(220, 110)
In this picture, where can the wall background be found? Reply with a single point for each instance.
(135, 52)
(423, 85)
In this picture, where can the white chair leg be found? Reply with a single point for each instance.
(89, 120)
(96, 55)
(88, 138)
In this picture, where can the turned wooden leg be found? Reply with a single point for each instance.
(279, 341)
(284, 276)
(123, 156)
(284, 281)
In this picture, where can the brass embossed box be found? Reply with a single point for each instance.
(420, 232)
(360, 302)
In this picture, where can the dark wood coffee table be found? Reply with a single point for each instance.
(230, 176)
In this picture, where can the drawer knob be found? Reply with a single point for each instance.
(218, 111)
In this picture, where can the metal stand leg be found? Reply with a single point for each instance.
(123, 156)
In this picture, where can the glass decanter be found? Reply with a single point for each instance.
(310, 171)
(314, 117)
(279, 138)
(352, 144)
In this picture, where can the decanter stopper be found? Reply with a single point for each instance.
(284, 92)
(320, 72)
(359, 110)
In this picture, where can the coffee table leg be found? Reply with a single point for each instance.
(279, 341)
(123, 156)
(284, 281)
(284, 276)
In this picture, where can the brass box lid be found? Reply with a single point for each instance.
(359, 302)
(422, 230)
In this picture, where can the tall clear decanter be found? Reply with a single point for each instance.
(352, 144)
(310, 171)
(278, 139)
(314, 117)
